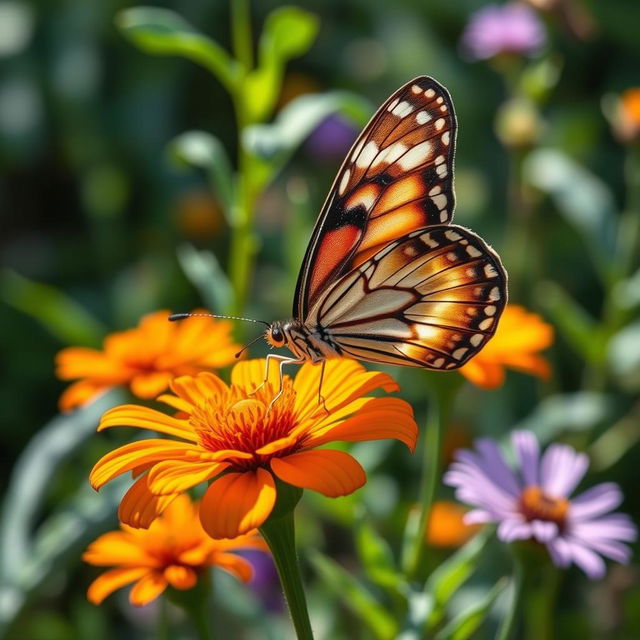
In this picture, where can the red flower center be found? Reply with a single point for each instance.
(535, 504)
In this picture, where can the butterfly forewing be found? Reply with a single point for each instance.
(397, 178)
(430, 299)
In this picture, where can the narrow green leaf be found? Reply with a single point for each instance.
(355, 596)
(288, 32)
(62, 316)
(467, 623)
(204, 151)
(164, 32)
(453, 573)
(205, 273)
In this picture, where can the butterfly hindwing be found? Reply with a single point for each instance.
(430, 299)
(396, 178)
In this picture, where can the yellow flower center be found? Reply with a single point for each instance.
(535, 504)
(247, 422)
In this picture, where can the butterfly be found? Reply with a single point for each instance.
(386, 278)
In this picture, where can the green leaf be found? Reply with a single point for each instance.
(467, 623)
(205, 273)
(582, 198)
(624, 356)
(452, 574)
(577, 326)
(275, 143)
(62, 316)
(163, 32)
(204, 151)
(376, 556)
(355, 596)
(288, 32)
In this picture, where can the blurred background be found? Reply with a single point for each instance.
(107, 214)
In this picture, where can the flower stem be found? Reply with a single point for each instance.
(442, 391)
(508, 626)
(197, 604)
(279, 534)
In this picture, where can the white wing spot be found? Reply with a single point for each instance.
(439, 123)
(415, 156)
(471, 272)
(429, 241)
(435, 191)
(454, 236)
(439, 160)
(445, 138)
(415, 88)
(367, 155)
(392, 106)
(438, 363)
(423, 117)
(440, 201)
(494, 294)
(485, 324)
(442, 170)
(476, 339)
(451, 256)
(357, 149)
(458, 353)
(429, 93)
(444, 215)
(489, 271)
(390, 154)
(344, 182)
(473, 252)
(451, 365)
(490, 310)
(443, 108)
(440, 100)
(403, 109)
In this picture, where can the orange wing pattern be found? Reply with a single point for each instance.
(398, 177)
(430, 299)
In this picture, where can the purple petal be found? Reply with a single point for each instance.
(528, 452)
(607, 528)
(496, 468)
(615, 550)
(561, 470)
(560, 552)
(595, 501)
(543, 530)
(510, 530)
(590, 562)
(478, 516)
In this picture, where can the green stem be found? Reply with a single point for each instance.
(442, 391)
(508, 626)
(162, 628)
(241, 32)
(197, 604)
(279, 534)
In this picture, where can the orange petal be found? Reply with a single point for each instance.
(332, 473)
(149, 385)
(484, 374)
(378, 419)
(530, 363)
(250, 374)
(115, 548)
(80, 393)
(109, 581)
(132, 415)
(181, 577)
(175, 476)
(197, 390)
(148, 589)
(344, 380)
(237, 502)
(80, 362)
(135, 454)
(139, 507)
(241, 568)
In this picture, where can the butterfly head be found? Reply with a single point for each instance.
(276, 334)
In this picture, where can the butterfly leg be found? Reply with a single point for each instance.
(321, 399)
(282, 360)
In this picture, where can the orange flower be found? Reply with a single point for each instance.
(519, 337)
(174, 551)
(446, 526)
(237, 430)
(146, 358)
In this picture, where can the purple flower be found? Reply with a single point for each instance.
(509, 28)
(533, 502)
(332, 138)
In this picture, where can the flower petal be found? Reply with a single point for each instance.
(597, 500)
(148, 589)
(250, 374)
(139, 507)
(483, 373)
(528, 452)
(180, 577)
(112, 580)
(149, 385)
(175, 476)
(80, 393)
(235, 565)
(561, 469)
(332, 473)
(132, 415)
(199, 389)
(116, 547)
(237, 502)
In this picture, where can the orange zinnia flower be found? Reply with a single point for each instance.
(239, 431)
(174, 551)
(446, 526)
(519, 338)
(146, 358)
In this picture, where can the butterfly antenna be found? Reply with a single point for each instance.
(248, 345)
(181, 316)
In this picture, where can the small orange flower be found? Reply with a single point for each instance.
(174, 551)
(239, 431)
(446, 526)
(519, 338)
(146, 358)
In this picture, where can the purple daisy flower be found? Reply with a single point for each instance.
(533, 502)
(509, 28)
(332, 138)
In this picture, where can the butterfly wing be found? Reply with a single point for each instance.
(397, 177)
(430, 299)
